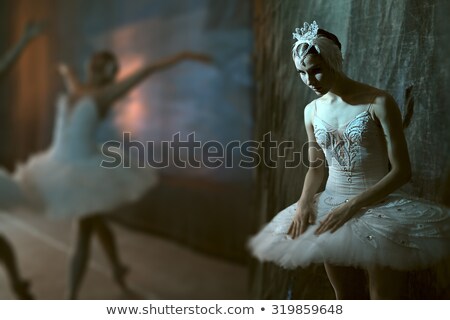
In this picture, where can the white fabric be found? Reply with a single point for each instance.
(400, 232)
(67, 179)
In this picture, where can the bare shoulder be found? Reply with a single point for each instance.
(384, 104)
(385, 109)
(383, 98)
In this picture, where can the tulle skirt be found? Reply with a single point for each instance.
(400, 232)
(77, 186)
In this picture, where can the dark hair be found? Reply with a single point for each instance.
(329, 35)
(104, 59)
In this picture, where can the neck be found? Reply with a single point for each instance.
(342, 86)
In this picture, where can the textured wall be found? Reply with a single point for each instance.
(394, 45)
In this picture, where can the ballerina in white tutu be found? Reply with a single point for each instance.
(10, 194)
(68, 180)
(360, 224)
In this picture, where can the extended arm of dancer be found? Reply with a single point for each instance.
(387, 112)
(305, 214)
(31, 31)
(70, 79)
(117, 90)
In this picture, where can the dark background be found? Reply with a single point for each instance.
(251, 89)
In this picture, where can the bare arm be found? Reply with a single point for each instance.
(70, 79)
(316, 158)
(305, 214)
(387, 112)
(107, 96)
(31, 31)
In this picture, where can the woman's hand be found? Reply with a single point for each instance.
(304, 216)
(336, 218)
(33, 29)
(63, 68)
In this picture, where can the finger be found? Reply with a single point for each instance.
(322, 229)
(298, 227)
(304, 226)
(291, 228)
(319, 229)
(294, 230)
(322, 223)
(298, 230)
(329, 226)
(337, 226)
(323, 226)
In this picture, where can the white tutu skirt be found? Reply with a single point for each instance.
(399, 232)
(11, 194)
(64, 187)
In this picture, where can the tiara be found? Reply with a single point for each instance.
(307, 34)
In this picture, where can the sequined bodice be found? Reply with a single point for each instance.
(356, 153)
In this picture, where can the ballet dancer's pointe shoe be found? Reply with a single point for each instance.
(22, 290)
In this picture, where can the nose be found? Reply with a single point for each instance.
(308, 79)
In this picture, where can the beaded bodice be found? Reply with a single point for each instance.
(356, 153)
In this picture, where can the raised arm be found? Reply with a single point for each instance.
(387, 112)
(111, 93)
(70, 79)
(305, 214)
(31, 31)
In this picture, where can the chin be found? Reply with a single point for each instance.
(321, 92)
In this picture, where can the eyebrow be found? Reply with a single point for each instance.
(314, 66)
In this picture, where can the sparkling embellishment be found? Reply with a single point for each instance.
(330, 201)
(369, 211)
(369, 237)
(346, 200)
(343, 143)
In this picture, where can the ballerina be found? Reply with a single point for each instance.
(360, 224)
(67, 180)
(7, 255)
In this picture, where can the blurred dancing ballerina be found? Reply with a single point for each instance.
(67, 180)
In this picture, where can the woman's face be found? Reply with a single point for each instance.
(315, 73)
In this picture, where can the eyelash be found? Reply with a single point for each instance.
(315, 71)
